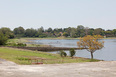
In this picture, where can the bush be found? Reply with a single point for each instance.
(22, 58)
(42, 35)
(3, 39)
(72, 52)
(63, 54)
(21, 44)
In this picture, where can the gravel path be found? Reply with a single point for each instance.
(88, 69)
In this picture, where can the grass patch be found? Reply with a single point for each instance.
(20, 56)
(21, 40)
(13, 42)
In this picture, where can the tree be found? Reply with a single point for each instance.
(91, 31)
(91, 43)
(68, 30)
(109, 33)
(65, 34)
(114, 31)
(40, 30)
(80, 31)
(31, 33)
(73, 32)
(3, 39)
(49, 30)
(99, 31)
(7, 32)
(72, 52)
(19, 31)
(86, 30)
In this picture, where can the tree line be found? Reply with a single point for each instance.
(79, 31)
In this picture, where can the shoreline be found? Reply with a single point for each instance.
(46, 49)
(61, 38)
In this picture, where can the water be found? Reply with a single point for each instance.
(108, 53)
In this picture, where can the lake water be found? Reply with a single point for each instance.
(108, 53)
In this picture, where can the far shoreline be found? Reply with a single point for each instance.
(58, 38)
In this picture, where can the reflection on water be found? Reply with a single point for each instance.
(107, 53)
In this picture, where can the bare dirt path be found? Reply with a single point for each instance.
(89, 69)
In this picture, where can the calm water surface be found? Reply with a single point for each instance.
(107, 53)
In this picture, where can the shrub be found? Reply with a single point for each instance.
(72, 52)
(22, 58)
(3, 39)
(21, 44)
(63, 54)
(42, 36)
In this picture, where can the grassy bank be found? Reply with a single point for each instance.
(24, 40)
(22, 56)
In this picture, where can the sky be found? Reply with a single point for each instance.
(58, 13)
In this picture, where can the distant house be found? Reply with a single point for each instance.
(61, 33)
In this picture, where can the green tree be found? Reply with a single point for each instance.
(99, 31)
(72, 52)
(3, 38)
(114, 31)
(40, 30)
(7, 32)
(80, 31)
(65, 34)
(19, 32)
(73, 32)
(31, 33)
(91, 43)
(109, 33)
(49, 30)
(68, 31)
(91, 31)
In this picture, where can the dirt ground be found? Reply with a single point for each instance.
(88, 69)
